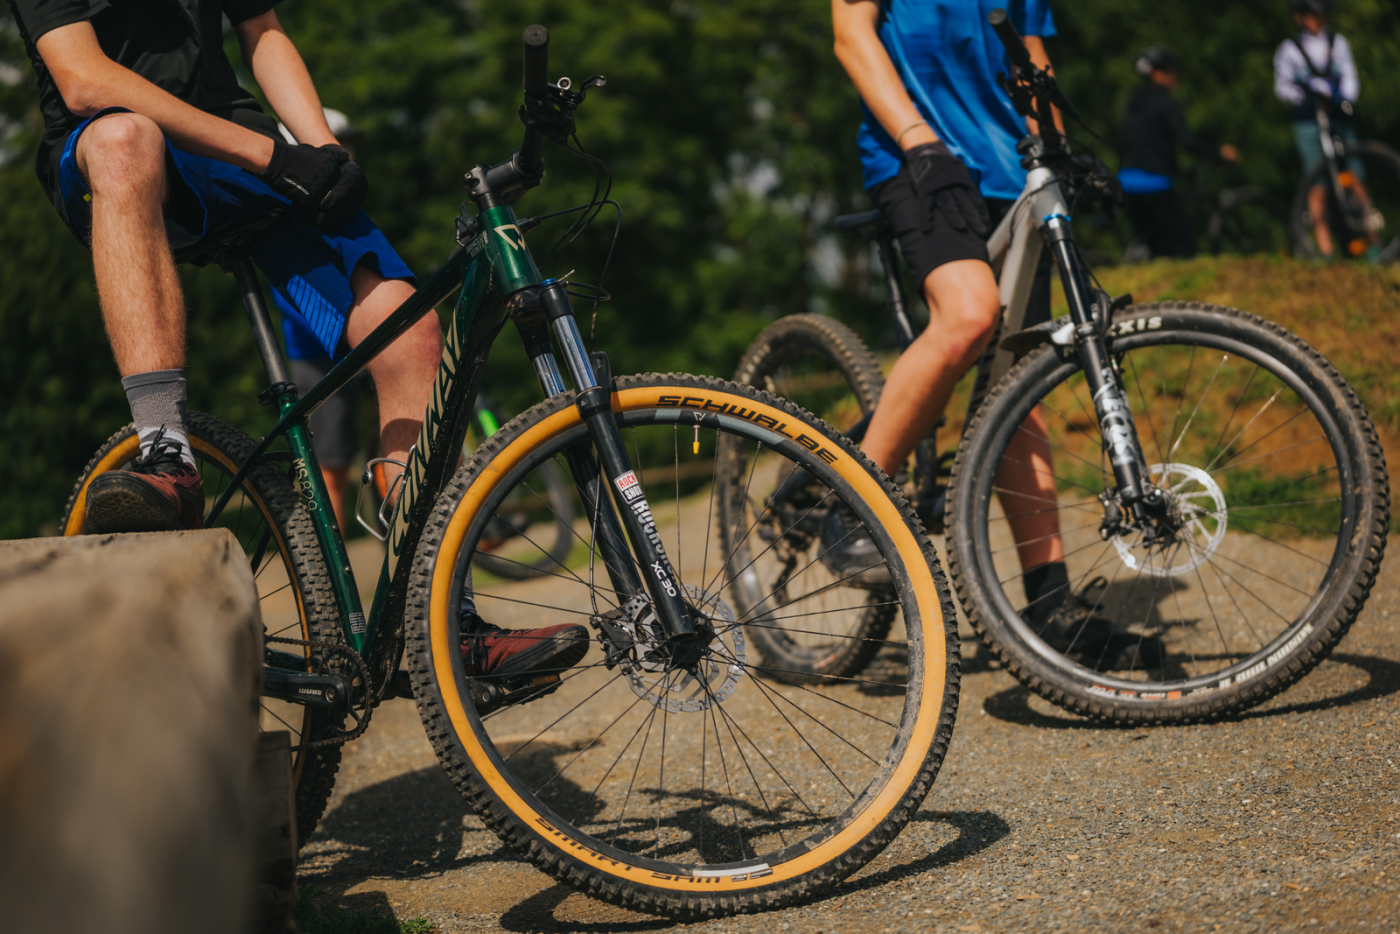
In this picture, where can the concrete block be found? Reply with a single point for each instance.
(129, 675)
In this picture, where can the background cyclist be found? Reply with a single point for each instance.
(1153, 129)
(1319, 61)
(938, 153)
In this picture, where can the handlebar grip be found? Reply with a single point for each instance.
(1010, 38)
(536, 41)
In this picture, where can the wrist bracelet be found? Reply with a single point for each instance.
(907, 129)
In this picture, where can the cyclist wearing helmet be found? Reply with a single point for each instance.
(1153, 128)
(1316, 63)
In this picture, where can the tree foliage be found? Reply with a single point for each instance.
(730, 131)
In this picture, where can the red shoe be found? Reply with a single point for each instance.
(510, 654)
(160, 493)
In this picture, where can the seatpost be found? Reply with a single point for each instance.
(904, 328)
(261, 323)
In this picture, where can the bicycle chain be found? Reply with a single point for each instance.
(336, 648)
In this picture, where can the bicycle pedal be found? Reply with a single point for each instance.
(491, 696)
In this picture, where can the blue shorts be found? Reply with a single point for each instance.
(308, 266)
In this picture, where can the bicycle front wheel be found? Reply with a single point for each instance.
(294, 594)
(705, 783)
(533, 531)
(1277, 504)
(1361, 212)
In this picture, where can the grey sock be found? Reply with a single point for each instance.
(157, 403)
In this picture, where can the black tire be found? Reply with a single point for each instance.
(269, 520)
(822, 366)
(537, 530)
(1248, 221)
(817, 363)
(1348, 215)
(544, 777)
(1281, 496)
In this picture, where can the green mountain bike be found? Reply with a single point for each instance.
(764, 790)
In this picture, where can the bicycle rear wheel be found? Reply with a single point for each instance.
(1248, 221)
(294, 592)
(1277, 503)
(533, 531)
(824, 367)
(699, 786)
(1364, 216)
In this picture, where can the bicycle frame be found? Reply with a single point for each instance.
(497, 278)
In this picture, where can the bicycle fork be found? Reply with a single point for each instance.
(1119, 432)
(594, 402)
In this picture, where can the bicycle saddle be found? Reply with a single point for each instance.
(856, 221)
(228, 243)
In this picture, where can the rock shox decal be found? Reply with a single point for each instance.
(630, 489)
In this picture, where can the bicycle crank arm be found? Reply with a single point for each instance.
(595, 405)
(1120, 436)
(298, 687)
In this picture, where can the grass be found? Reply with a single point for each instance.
(316, 914)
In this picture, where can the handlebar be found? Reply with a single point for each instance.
(536, 81)
(1010, 38)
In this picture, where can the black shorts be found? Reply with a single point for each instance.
(334, 433)
(926, 251)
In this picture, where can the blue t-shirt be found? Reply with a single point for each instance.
(949, 58)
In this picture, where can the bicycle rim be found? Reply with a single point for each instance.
(286, 570)
(687, 791)
(1261, 468)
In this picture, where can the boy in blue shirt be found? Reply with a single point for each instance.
(938, 153)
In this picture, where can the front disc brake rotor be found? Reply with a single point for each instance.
(648, 667)
(1198, 514)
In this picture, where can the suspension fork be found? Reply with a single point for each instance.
(1120, 437)
(594, 403)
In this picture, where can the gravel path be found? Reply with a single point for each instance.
(1287, 818)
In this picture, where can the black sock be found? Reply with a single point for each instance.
(1046, 585)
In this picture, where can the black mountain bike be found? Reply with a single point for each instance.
(1355, 187)
(1218, 488)
(763, 791)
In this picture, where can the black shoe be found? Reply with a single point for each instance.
(848, 552)
(1076, 631)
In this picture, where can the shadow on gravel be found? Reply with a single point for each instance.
(1013, 704)
(976, 831)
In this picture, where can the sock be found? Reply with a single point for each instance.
(1047, 586)
(157, 403)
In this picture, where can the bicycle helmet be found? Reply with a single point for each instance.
(1318, 7)
(1156, 58)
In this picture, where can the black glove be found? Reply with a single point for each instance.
(343, 201)
(302, 174)
(945, 187)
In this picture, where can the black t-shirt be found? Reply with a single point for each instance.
(177, 45)
(1153, 127)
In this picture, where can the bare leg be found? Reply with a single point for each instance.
(1031, 510)
(337, 479)
(404, 372)
(963, 307)
(1317, 207)
(122, 157)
